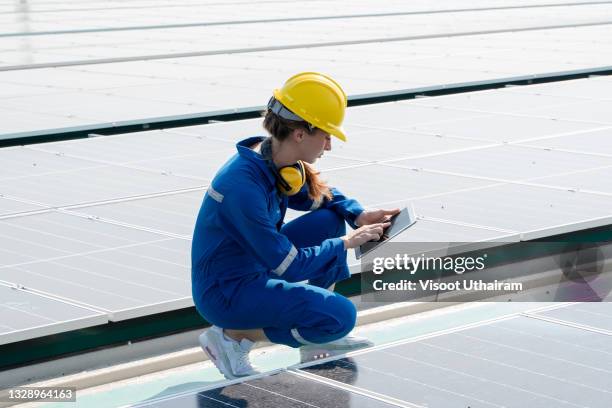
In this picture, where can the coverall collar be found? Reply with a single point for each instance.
(245, 151)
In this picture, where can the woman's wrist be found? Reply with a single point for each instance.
(346, 242)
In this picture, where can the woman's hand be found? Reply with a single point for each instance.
(361, 235)
(369, 217)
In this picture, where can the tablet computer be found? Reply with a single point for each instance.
(399, 223)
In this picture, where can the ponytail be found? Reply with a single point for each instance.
(318, 189)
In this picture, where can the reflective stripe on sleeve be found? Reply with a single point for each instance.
(286, 262)
(214, 194)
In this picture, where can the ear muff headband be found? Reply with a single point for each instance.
(289, 179)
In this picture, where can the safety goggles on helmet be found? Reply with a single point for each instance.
(279, 109)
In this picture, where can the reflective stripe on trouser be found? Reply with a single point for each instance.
(289, 313)
(313, 228)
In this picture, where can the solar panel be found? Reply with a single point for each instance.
(594, 111)
(232, 131)
(376, 184)
(511, 163)
(9, 206)
(591, 316)
(596, 142)
(162, 153)
(590, 181)
(124, 272)
(21, 163)
(506, 128)
(490, 365)
(509, 361)
(535, 212)
(510, 102)
(593, 88)
(282, 390)
(94, 184)
(373, 144)
(25, 314)
(172, 214)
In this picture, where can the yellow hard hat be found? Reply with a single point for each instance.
(315, 98)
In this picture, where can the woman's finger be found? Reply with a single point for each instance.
(374, 236)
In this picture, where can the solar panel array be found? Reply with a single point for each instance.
(554, 357)
(104, 78)
(71, 47)
(52, 16)
(101, 227)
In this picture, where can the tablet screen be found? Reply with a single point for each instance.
(399, 222)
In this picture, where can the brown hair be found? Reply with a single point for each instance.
(280, 129)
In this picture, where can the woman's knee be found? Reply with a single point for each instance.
(344, 315)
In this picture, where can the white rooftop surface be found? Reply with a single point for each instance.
(150, 77)
(106, 222)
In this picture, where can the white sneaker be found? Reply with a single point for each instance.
(230, 356)
(312, 352)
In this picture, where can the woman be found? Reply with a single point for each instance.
(248, 267)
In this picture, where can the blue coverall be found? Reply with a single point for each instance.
(248, 268)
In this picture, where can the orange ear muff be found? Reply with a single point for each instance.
(291, 178)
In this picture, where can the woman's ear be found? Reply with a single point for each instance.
(298, 135)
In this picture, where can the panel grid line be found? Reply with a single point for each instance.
(521, 114)
(525, 181)
(510, 366)
(122, 281)
(47, 296)
(567, 323)
(63, 237)
(281, 395)
(83, 253)
(522, 350)
(354, 389)
(427, 385)
(137, 227)
(71, 300)
(132, 164)
(557, 149)
(438, 333)
(483, 380)
(554, 340)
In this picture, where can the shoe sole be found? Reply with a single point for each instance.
(314, 352)
(212, 351)
(347, 347)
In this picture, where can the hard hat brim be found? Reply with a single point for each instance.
(339, 133)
